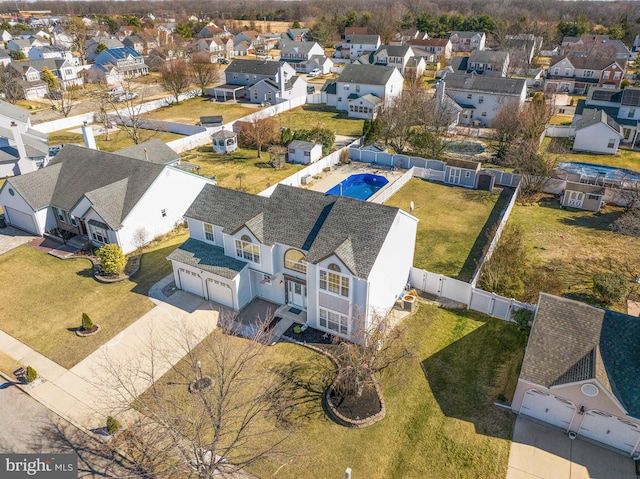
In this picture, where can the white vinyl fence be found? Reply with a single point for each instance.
(560, 131)
(474, 298)
(385, 193)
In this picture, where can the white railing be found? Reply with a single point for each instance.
(387, 192)
(474, 298)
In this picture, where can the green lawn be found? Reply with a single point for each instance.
(46, 296)
(440, 418)
(577, 244)
(258, 175)
(117, 140)
(190, 111)
(310, 116)
(453, 225)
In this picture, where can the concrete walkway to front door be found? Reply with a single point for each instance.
(539, 451)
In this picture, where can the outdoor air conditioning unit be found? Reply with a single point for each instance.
(306, 180)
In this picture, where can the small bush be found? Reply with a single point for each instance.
(113, 425)
(32, 374)
(112, 259)
(87, 324)
(297, 329)
(524, 319)
(610, 288)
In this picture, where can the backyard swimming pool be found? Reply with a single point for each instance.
(361, 186)
(590, 171)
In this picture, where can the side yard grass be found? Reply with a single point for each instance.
(310, 116)
(117, 139)
(453, 226)
(189, 111)
(46, 297)
(256, 174)
(440, 418)
(577, 244)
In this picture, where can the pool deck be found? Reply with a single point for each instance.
(335, 176)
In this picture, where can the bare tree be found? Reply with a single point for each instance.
(102, 106)
(204, 72)
(80, 33)
(64, 101)
(127, 108)
(378, 347)
(259, 133)
(176, 78)
(506, 128)
(214, 417)
(10, 85)
(397, 119)
(535, 166)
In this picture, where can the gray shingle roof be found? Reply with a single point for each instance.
(393, 50)
(157, 151)
(297, 47)
(593, 116)
(312, 222)
(13, 111)
(208, 258)
(115, 183)
(365, 39)
(302, 145)
(486, 56)
(505, 86)
(366, 74)
(466, 164)
(585, 188)
(572, 341)
(254, 67)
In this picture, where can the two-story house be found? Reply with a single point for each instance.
(441, 47)
(482, 97)
(22, 149)
(305, 57)
(362, 89)
(104, 197)
(397, 56)
(621, 105)
(218, 48)
(31, 74)
(128, 62)
(135, 42)
(360, 45)
(467, 41)
(343, 261)
(490, 63)
(213, 31)
(575, 74)
(91, 46)
(297, 34)
(596, 45)
(24, 45)
(48, 52)
(260, 81)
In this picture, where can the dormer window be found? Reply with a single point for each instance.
(208, 233)
(245, 249)
(294, 259)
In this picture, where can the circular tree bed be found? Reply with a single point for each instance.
(353, 410)
(83, 333)
(201, 384)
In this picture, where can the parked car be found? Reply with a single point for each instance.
(314, 73)
(127, 95)
(54, 95)
(311, 89)
(224, 61)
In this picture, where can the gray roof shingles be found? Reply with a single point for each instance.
(116, 182)
(208, 258)
(497, 85)
(156, 151)
(254, 67)
(366, 74)
(572, 341)
(312, 222)
(14, 112)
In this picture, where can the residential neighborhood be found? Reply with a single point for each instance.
(233, 234)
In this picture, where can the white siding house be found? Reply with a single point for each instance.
(343, 261)
(383, 82)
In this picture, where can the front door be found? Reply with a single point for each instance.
(297, 294)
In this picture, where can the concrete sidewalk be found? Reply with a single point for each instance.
(542, 451)
(79, 394)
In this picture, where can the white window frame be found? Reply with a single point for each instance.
(335, 283)
(247, 250)
(299, 266)
(97, 233)
(612, 143)
(209, 236)
(333, 321)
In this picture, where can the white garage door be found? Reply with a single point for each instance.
(611, 430)
(21, 220)
(547, 408)
(191, 282)
(220, 292)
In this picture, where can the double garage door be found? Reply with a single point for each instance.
(210, 289)
(21, 220)
(599, 426)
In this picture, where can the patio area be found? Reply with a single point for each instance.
(341, 171)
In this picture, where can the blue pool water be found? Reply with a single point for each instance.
(611, 173)
(361, 186)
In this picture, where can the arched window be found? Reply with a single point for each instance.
(245, 249)
(333, 281)
(294, 259)
(334, 267)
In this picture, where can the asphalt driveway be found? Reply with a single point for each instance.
(540, 451)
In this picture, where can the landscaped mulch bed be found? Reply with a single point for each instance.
(130, 269)
(356, 408)
(309, 336)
